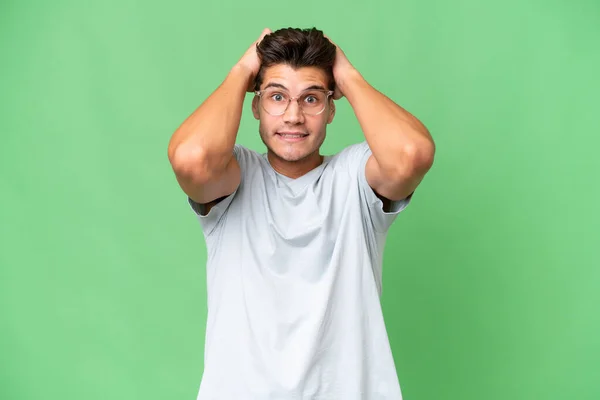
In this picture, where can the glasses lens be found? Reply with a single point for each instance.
(275, 102)
(313, 102)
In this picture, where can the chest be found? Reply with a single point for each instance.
(294, 227)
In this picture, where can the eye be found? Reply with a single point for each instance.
(277, 97)
(311, 99)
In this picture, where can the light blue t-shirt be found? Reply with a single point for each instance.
(294, 276)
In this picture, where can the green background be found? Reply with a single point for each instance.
(491, 277)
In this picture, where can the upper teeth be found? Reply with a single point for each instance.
(290, 135)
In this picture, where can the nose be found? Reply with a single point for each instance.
(293, 114)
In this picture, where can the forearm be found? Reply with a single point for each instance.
(207, 137)
(399, 142)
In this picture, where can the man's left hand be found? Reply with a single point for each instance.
(342, 69)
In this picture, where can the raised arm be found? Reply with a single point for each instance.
(402, 148)
(201, 149)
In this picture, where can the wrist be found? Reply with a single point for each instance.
(348, 80)
(243, 73)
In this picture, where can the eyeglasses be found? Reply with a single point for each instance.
(275, 101)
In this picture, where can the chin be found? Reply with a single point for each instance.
(290, 155)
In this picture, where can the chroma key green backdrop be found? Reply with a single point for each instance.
(491, 276)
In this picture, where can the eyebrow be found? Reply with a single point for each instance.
(279, 85)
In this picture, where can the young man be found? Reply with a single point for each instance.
(294, 238)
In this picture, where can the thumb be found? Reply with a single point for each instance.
(337, 93)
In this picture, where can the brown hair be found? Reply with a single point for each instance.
(296, 48)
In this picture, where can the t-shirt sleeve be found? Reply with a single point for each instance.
(371, 204)
(208, 221)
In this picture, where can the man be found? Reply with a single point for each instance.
(294, 238)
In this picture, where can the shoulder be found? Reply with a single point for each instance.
(247, 158)
(244, 153)
(354, 150)
(352, 156)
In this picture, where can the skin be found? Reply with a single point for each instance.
(201, 150)
(294, 157)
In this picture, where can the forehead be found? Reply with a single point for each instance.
(294, 79)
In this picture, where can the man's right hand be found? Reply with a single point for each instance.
(201, 150)
(250, 61)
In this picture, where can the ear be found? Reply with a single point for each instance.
(331, 111)
(255, 107)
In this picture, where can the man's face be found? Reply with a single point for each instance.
(294, 135)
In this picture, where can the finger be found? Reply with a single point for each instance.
(337, 93)
(328, 38)
(264, 33)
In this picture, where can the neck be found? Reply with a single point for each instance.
(294, 169)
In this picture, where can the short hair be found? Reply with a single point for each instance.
(297, 48)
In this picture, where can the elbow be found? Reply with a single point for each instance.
(190, 163)
(414, 159)
(421, 156)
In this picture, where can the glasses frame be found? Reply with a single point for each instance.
(329, 93)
